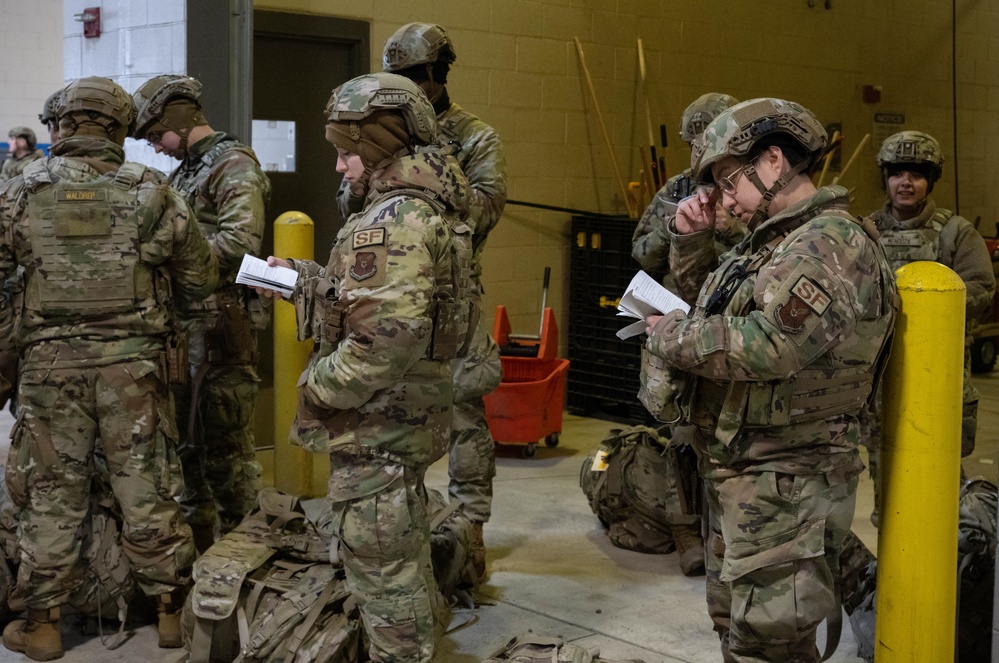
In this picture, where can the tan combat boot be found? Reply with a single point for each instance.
(478, 550)
(37, 637)
(169, 621)
(204, 537)
(690, 548)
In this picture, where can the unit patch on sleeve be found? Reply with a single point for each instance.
(806, 298)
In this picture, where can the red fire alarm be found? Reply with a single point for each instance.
(91, 19)
(872, 94)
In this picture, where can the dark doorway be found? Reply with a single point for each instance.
(298, 59)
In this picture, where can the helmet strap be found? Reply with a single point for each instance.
(768, 194)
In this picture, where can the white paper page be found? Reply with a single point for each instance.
(634, 329)
(645, 296)
(256, 272)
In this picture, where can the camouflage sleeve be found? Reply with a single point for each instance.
(387, 292)
(194, 270)
(692, 258)
(10, 200)
(486, 172)
(964, 250)
(807, 301)
(241, 191)
(650, 242)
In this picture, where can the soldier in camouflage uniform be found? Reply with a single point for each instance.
(779, 355)
(650, 248)
(105, 245)
(387, 315)
(913, 228)
(650, 241)
(423, 53)
(22, 152)
(222, 181)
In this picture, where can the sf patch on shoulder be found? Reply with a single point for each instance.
(806, 298)
(368, 257)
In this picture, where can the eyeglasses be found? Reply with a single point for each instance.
(727, 182)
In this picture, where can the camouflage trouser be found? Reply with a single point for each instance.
(472, 456)
(775, 565)
(122, 412)
(222, 475)
(384, 543)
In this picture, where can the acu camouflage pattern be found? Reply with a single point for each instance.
(737, 129)
(699, 114)
(14, 166)
(940, 235)
(774, 400)
(378, 389)
(417, 43)
(266, 591)
(74, 365)
(472, 455)
(223, 183)
(637, 496)
(378, 401)
(913, 147)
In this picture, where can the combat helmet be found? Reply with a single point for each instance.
(769, 121)
(365, 95)
(415, 44)
(50, 111)
(914, 149)
(151, 100)
(698, 115)
(96, 100)
(26, 133)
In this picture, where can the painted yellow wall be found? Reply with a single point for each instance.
(517, 69)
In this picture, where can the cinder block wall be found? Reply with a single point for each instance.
(517, 68)
(139, 39)
(31, 57)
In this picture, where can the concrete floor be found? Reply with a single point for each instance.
(554, 571)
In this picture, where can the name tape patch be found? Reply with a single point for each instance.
(368, 237)
(80, 195)
(901, 240)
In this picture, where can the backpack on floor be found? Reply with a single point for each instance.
(451, 550)
(531, 648)
(267, 592)
(630, 482)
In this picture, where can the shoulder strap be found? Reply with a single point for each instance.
(129, 175)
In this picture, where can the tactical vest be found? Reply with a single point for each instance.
(85, 241)
(905, 246)
(454, 313)
(240, 297)
(818, 392)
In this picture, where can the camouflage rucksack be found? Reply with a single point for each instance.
(267, 592)
(530, 648)
(632, 485)
(451, 549)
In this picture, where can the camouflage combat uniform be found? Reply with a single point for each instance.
(92, 332)
(377, 395)
(779, 352)
(222, 181)
(472, 457)
(15, 166)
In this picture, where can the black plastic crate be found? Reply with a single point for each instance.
(603, 373)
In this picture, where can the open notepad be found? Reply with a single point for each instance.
(256, 273)
(643, 297)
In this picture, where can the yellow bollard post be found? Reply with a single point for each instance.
(920, 470)
(293, 238)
